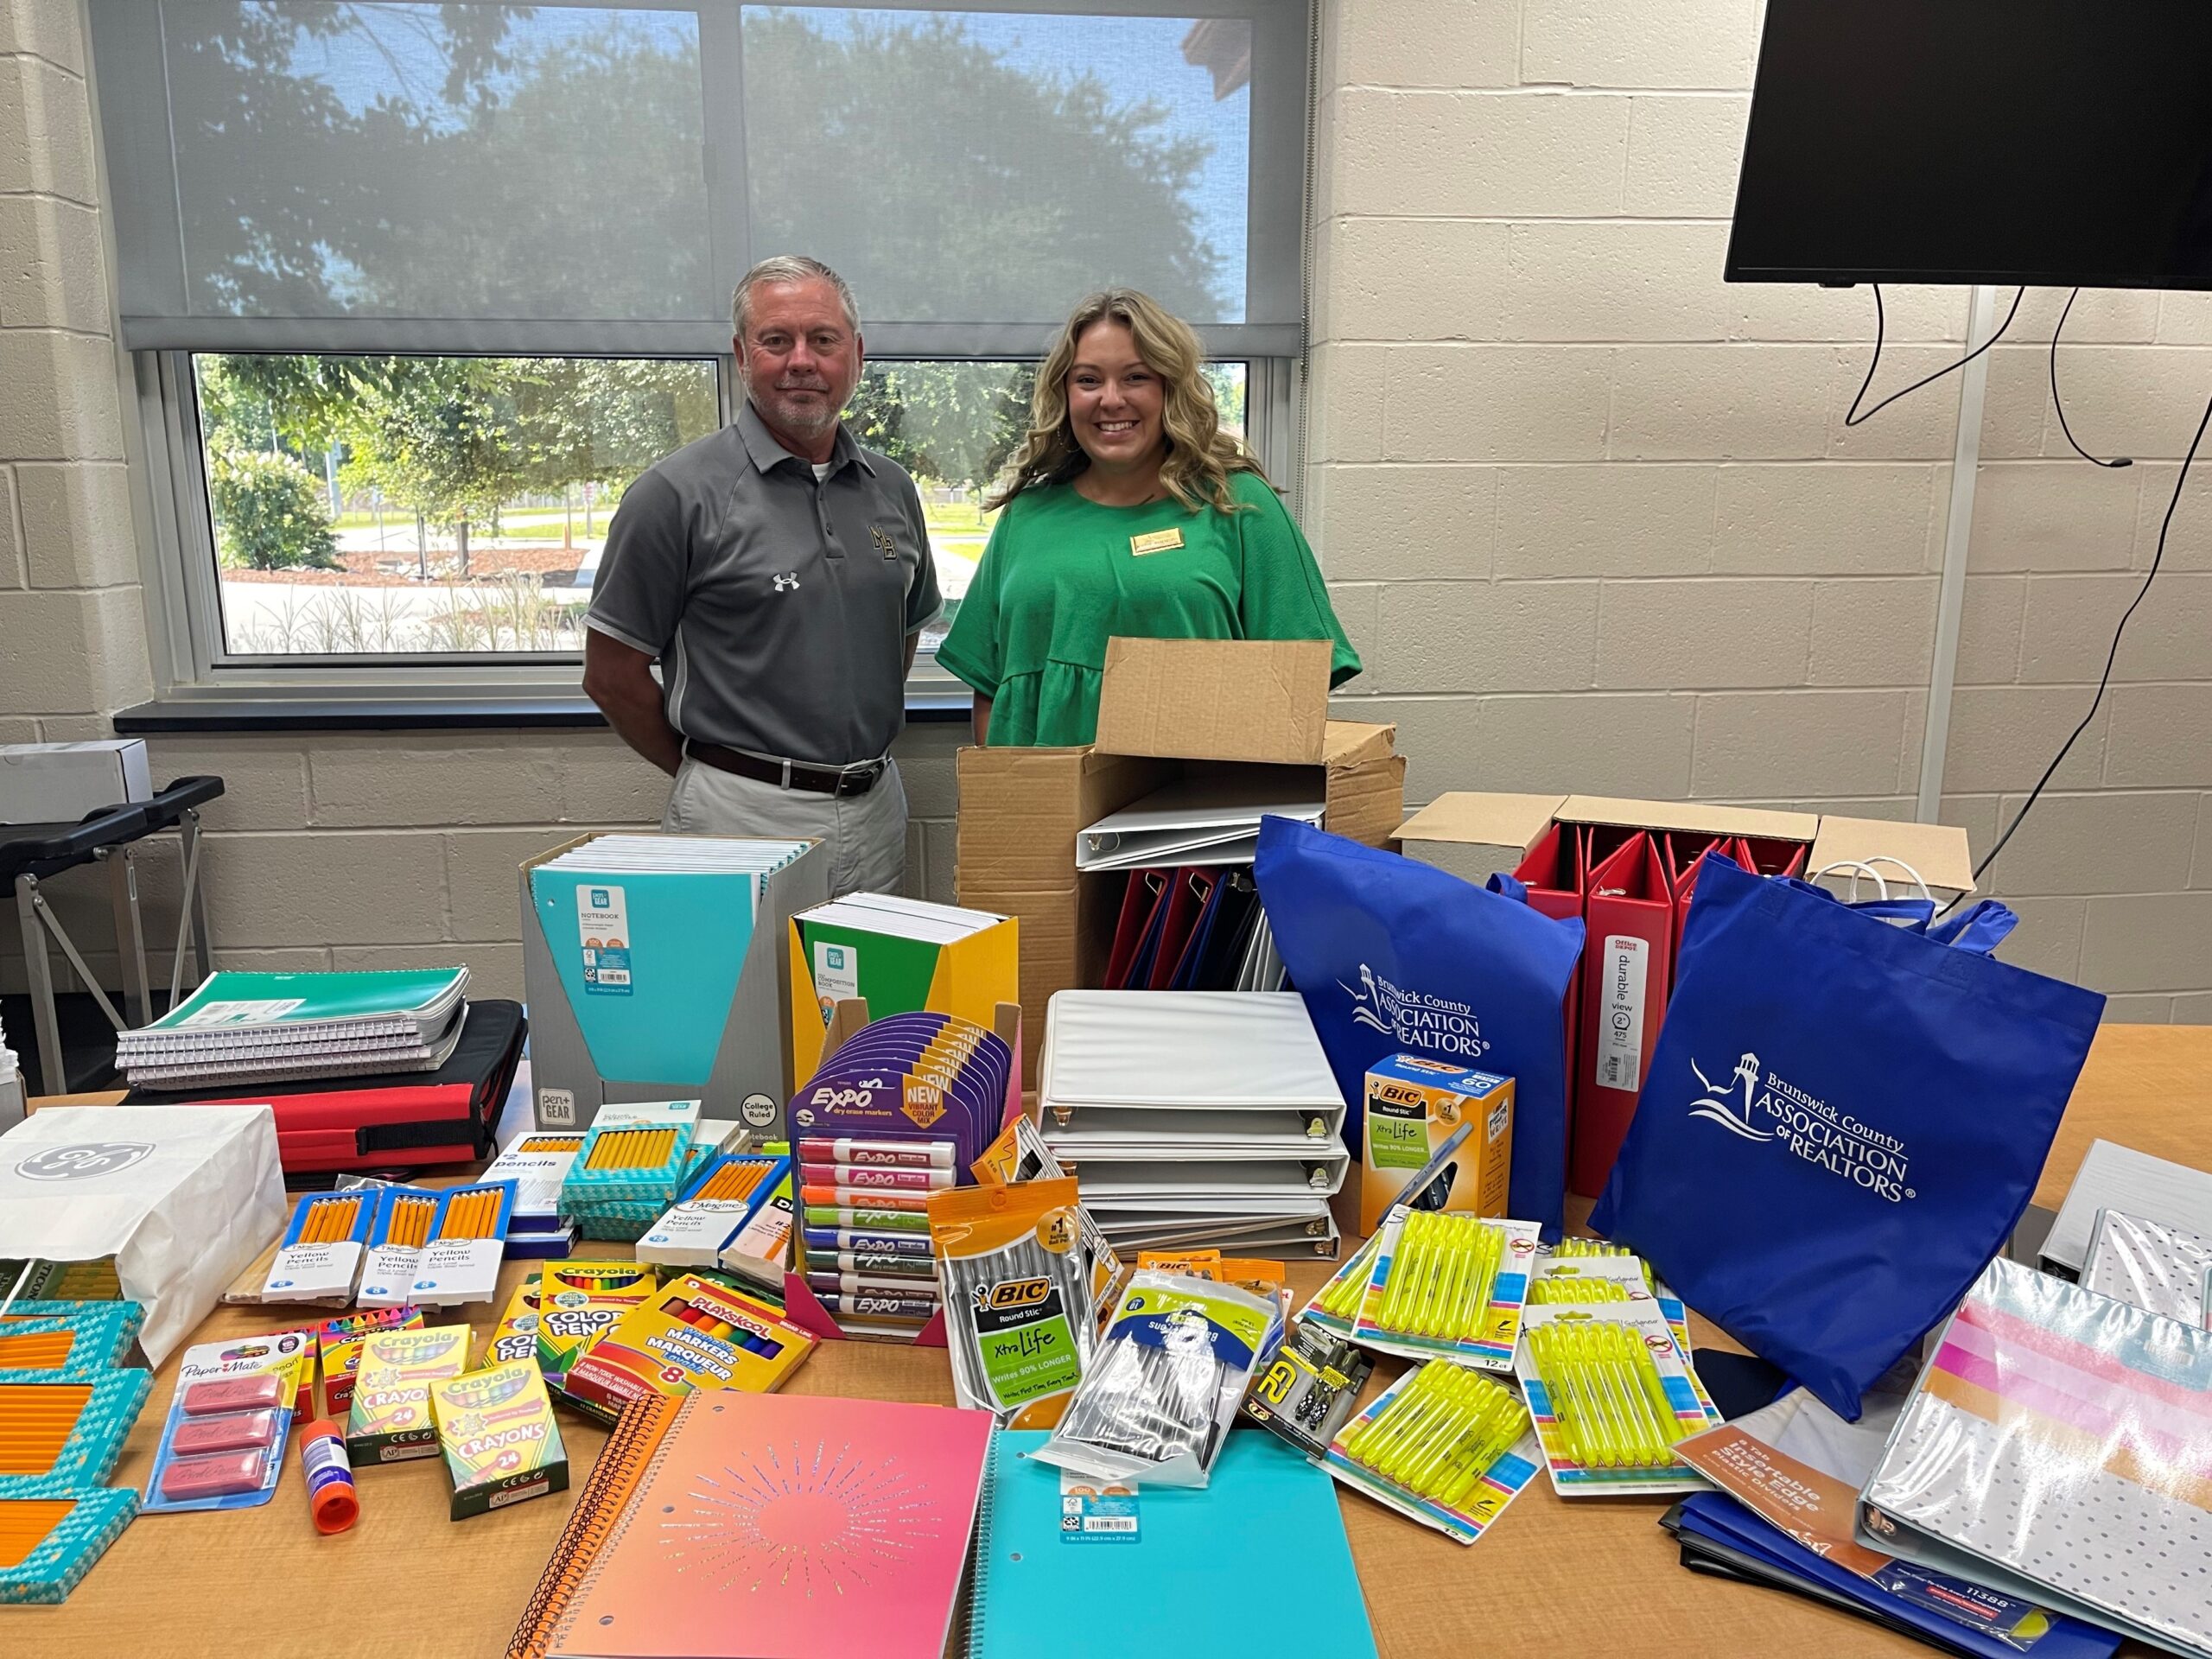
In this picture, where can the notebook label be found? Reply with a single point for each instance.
(836, 974)
(239, 1013)
(1088, 1515)
(603, 925)
(1620, 1022)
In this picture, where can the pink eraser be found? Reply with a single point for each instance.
(234, 1473)
(239, 1431)
(263, 1389)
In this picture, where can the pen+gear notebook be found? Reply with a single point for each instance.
(1045, 1582)
(785, 1527)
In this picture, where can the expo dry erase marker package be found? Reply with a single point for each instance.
(1159, 1397)
(223, 1446)
(1445, 1286)
(1611, 1395)
(1019, 1317)
(1446, 1445)
(390, 1420)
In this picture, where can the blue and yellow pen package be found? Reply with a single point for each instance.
(1448, 1285)
(70, 1337)
(1610, 1394)
(51, 1532)
(223, 1446)
(1444, 1445)
(57, 1426)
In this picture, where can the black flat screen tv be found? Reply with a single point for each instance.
(2054, 142)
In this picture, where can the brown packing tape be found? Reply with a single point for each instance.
(1264, 699)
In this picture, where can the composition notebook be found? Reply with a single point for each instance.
(1052, 1568)
(768, 1526)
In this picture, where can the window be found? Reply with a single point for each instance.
(414, 289)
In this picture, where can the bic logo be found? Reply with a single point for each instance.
(1015, 1293)
(1400, 1093)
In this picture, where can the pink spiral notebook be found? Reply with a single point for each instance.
(774, 1526)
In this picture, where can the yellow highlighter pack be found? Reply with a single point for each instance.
(501, 1442)
(390, 1420)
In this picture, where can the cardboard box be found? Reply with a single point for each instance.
(711, 1027)
(59, 783)
(1167, 707)
(391, 1419)
(1477, 835)
(1413, 1107)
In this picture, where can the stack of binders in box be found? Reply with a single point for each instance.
(1195, 1118)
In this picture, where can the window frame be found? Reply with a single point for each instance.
(181, 576)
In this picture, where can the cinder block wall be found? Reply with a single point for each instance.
(1591, 514)
(1596, 522)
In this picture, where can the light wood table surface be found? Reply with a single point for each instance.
(1591, 1576)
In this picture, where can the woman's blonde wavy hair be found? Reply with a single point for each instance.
(1200, 455)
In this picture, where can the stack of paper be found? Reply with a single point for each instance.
(1195, 1117)
(245, 1029)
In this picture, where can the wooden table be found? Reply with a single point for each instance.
(1593, 1575)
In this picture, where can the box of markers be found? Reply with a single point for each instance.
(695, 1333)
(390, 1420)
(501, 1442)
(338, 1343)
(320, 1258)
(714, 1207)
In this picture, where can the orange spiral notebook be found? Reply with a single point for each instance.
(743, 1526)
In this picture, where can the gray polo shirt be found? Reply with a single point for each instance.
(779, 605)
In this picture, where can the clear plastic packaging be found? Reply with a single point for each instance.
(2158, 1266)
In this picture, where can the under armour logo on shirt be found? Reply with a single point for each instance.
(786, 581)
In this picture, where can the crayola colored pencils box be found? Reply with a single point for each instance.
(391, 1419)
(580, 1301)
(1414, 1108)
(501, 1442)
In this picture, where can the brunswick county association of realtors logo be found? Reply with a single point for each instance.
(1414, 1019)
(1773, 1109)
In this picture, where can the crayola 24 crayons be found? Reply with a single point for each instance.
(501, 1444)
(391, 1419)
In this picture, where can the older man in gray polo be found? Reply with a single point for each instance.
(780, 576)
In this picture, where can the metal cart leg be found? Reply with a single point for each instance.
(130, 931)
(46, 1019)
(192, 911)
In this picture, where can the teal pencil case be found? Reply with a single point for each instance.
(75, 1337)
(51, 1531)
(67, 1428)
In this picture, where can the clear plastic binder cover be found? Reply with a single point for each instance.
(2067, 1437)
(2157, 1267)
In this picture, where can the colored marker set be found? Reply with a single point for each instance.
(223, 1446)
(501, 1445)
(693, 1333)
(634, 1162)
(1444, 1445)
(1446, 1285)
(437, 1249)
(725, 1194)
(1610, 1394)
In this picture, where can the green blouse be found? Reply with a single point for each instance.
(1060, 576)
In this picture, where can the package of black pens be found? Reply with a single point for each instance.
(1157, 1399)
(1017, 1297)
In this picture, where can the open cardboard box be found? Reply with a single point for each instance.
(1477, 835)
(1167, 707)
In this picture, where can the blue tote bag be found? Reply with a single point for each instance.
(1393, 956)
(1843, 1120)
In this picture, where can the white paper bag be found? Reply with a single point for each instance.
(182, 1197)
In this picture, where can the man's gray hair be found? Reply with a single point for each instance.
(789, 268)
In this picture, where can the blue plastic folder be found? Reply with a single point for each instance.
(1045, 1583)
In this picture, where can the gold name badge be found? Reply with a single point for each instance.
(1158, 541)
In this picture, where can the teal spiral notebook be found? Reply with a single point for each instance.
(1062, 1575)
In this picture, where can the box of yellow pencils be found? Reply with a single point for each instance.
(696, 1334)
(1417, 1111)
(320, 1258)
(715, 1206)
(459, 1261)
(405, 1217)
(579, 1301)
(390, 1420)
(501, 1444)
(634, 1162)
(339, 1343)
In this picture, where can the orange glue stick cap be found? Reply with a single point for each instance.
(331, 1499)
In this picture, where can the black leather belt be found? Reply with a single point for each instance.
(856, 779)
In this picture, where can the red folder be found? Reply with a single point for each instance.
(1771, 857)
(1554, 871)
(1186, 896)
(1686, 856)
(1629, 913)
(1140, 900)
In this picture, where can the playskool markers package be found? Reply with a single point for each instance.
(1414, 1106)
(695, 1333)
(501, 1442)
(391, 1419)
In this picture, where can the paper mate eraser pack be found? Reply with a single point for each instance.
(338, 1343)
(501, 1442)
(1414, 1107)
(390, 1420)
(1444, 1445)
(223, 1446)
(694, 1333)
(578, 1301)
(1447, 1286)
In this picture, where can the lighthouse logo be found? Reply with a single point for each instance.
(1715, 1106)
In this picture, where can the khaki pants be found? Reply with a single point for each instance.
(863, 835)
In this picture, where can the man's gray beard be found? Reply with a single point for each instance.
(812, 426)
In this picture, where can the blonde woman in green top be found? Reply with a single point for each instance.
(1127, 510)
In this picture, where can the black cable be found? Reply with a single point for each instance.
(2117, 462)
(2112, 656)
(1854, 418)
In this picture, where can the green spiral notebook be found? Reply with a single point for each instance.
(1100, 1577)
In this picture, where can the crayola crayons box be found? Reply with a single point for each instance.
(501, 1442)
(696, 1334)
(390, 1420)
(339, 1342)
(578, 1301)
(1414, 1107)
